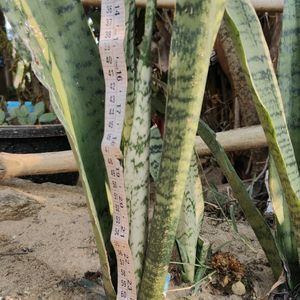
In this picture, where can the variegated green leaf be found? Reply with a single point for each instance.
(244, 26)
(203, 253)
(190, 219)
(137, 149)
(131, 70)
(192, 41)
(289, 71)
(289, 83)
(192, 210)
(66, 59)
(284, 233)
(156, 144)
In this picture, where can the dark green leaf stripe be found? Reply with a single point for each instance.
(66, 59)
(245, 29)
(192, 41)
(190, 219)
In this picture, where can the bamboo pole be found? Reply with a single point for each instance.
(268, 5)
(259, 5)
(235, 140)
(16, 165)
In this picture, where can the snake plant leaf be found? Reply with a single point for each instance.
(137, 152)
(289, 83)
(244, 27)
(192, 41)
(192, 212)
(131, 70)
(156, 144)
(255, 219)
(284, 232)
(66, 60)
(203, 253)
(192, 209)
(289, 71)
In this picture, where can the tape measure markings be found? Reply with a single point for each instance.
(112, 34)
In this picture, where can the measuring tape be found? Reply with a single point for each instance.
(112, 34)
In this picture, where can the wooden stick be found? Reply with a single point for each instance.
(16, 165)
(235, 140)
(259, 5)
(268, 5)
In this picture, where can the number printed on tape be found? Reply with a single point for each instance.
(112, 34)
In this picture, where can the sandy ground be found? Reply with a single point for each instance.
(47, 246)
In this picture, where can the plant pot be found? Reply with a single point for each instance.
(37, 139)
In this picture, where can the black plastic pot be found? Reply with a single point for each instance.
(37, 139)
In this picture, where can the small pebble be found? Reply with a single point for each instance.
(238, 288)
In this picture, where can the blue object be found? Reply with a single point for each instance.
(167, 284)
(15, 104)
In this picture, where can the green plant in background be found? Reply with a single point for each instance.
(22, 116)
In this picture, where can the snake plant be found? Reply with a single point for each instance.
(66, 60)
(277, 111)
(289, 71)
(192, 41)
(246, 31)
(192, 209)
(131, 69)
(136, 161)
(288, 79)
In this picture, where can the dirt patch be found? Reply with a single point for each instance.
(45, 255)
(16, 206)
(51, 253)
(244, 246)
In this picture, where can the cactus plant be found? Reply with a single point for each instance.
(21, 115)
